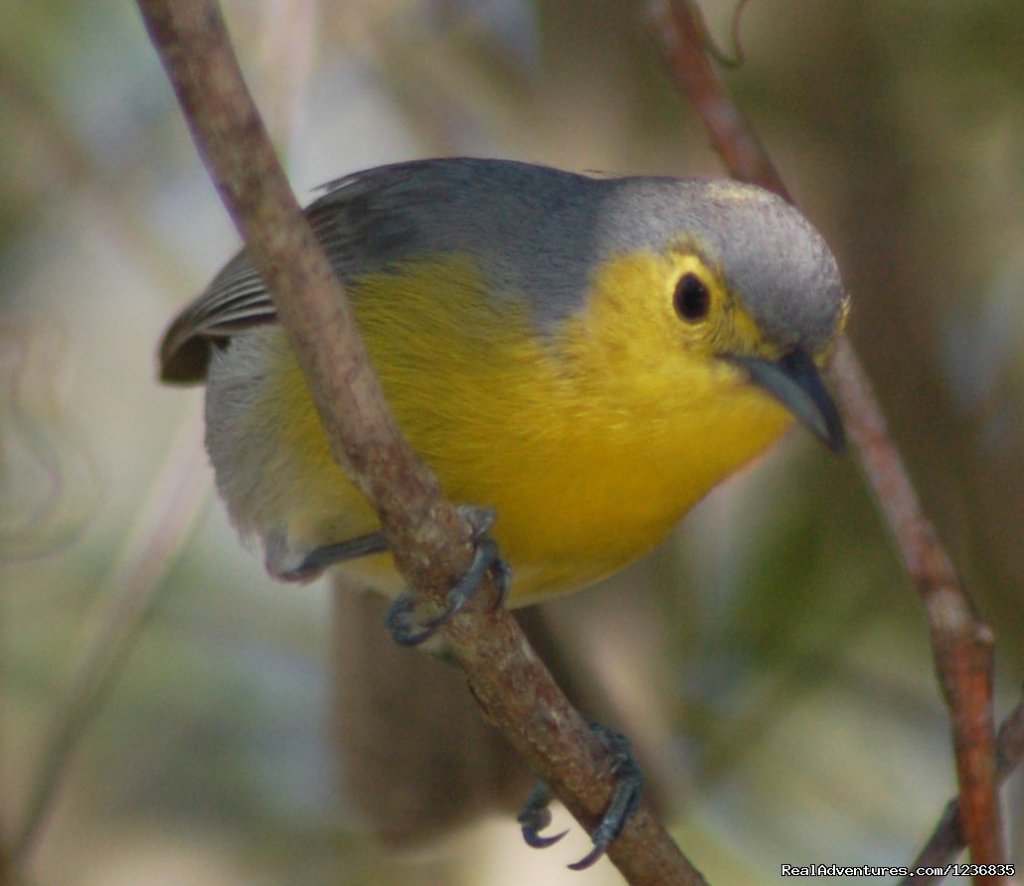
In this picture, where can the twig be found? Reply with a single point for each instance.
(962, 645)
(947, 840)
(429, 539)
(683, 39)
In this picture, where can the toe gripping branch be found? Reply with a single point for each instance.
(401, 617)
(629, 782)
(401, 622)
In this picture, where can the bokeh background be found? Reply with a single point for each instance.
(772, 658)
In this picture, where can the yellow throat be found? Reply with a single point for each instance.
(590, 441)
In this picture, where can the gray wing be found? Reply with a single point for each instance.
(237, 300)
(364, 221)
(534, 233)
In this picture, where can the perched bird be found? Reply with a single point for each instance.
(587, 357)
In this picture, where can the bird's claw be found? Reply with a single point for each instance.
(535, 816)
(401, 620)
(625, 801)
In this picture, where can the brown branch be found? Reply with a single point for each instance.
(962, 644)
(430, 540)
(947, 839)
(684, 41)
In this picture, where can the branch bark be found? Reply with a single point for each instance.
(430, 540)
(947, 839)
(962, 645)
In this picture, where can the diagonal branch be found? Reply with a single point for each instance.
(430, 540)
(947, 839)
(684, 43)
(962, 645)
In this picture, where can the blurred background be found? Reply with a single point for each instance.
(771, 660)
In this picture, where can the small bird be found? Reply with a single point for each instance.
(586, 357)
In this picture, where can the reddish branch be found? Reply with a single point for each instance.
(962, 644)
(430, 540)
(685, 43)
(947, 841)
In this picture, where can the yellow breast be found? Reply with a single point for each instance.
(590, 440)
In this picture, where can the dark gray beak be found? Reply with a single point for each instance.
(795, 382)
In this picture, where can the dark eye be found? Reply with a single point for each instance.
(692, 298)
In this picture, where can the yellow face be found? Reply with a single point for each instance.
(646, 413)
(657, 331)
(709, 320)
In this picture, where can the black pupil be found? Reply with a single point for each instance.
(692, 298)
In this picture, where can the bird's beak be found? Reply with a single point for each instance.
(795, 382)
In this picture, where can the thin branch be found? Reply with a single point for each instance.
(430, 540)
(684, 42)
(962, 645)
(947, 839)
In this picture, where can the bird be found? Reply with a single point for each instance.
(588, 357)
(583, 356)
